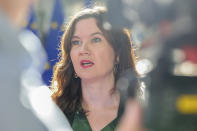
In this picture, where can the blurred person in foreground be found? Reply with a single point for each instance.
(93, 56)
(14, 60)
(20, 98)
(132, 119)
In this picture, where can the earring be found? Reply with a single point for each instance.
(75, 75)
(117, 59)
(116, 65)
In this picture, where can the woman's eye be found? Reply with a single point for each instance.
(96, 40)
(75, 42)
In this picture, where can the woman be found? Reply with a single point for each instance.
(92, 59)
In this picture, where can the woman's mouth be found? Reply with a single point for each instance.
(86, 63)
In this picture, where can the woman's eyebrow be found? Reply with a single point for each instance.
(75, 36)
(99, 33)
(95, 33)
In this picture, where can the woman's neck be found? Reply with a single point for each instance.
(99, 93)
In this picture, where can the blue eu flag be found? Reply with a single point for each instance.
(31, 24)
(29, 37)
(53, 40)
(88, 3)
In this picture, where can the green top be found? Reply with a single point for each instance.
(80, 122)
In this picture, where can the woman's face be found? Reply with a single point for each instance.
(91, 54)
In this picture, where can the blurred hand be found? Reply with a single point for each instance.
(132, 117)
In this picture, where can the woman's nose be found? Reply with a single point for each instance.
(84, 49)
